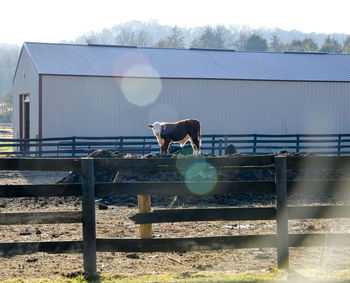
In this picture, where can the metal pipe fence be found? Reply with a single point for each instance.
(321, 144)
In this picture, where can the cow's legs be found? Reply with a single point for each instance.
(165, 147)
(195, 143)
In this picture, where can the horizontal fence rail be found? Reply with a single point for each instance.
(239, 214)
(176, 244)
(40, 218)
(322, 144)
(89, 190)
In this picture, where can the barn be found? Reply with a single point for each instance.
(63, 90)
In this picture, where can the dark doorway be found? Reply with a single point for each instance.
(25, 121)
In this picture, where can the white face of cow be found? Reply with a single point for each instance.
(156, 128)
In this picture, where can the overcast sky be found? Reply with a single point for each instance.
(57, 20)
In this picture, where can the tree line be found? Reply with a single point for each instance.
(8, 61)
(215, 37)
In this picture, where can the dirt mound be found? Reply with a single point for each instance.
(168, 176)
(203, 175)
(134, 176)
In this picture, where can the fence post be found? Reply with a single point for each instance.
(89, 222)
(213, 145)
(143, 146)
(281, 211)
(40, 148)
(24, 147)
(220, 147)
(298, 143)
(73, 146)
(254, 143)
(339, 144)
(121, 144)
(144, 203)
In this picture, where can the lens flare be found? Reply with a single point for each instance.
(183, 163)
(201, 178)
(138, 80)
(141, 91)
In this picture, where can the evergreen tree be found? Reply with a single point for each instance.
(241, 41)
(346, 45)
(309, 45)
(174, 40)
(306, 45)
(296, 45)
(214, 38)
(331, 45)
(255, 43)
(276, 45)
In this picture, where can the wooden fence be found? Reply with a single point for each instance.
(89, 190)
(338, 144)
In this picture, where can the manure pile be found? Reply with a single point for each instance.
(206, 200)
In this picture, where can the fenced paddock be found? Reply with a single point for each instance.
(321, 144)
(89, 190)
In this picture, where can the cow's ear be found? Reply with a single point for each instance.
(150, 126)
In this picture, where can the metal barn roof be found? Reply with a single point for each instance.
(121, 61)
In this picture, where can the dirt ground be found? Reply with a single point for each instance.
(113, 222)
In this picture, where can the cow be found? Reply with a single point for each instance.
(178, 132)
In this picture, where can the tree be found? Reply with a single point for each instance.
(90, 38)
(124, 35)
(241, 41)
(220, 34)
(8, 61)
(331, 45)
(346, 45)
(143, 38)
(133, 33)
(174, 40)
(255, 43)
(306, 45)
(276, 45)
(211, 38)
(296, 45)
(309, 45)
(6, 107)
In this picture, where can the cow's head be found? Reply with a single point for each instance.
(156, 128)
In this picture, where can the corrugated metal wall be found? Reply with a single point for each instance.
(92, 106)
(26, 82)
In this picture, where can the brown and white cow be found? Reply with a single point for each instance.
(178, 132)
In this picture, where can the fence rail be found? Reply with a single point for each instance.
(324, 144)
(89, 190)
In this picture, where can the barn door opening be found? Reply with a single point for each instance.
(25, 121)
(26, 117)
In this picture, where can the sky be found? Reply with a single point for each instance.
(65, 20)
